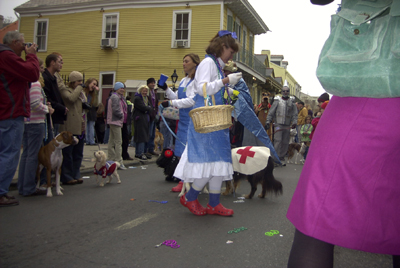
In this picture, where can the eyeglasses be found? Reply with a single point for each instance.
(285, 90)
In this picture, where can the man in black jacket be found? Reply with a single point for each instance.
(53, 65)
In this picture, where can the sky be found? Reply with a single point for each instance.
(298, 31)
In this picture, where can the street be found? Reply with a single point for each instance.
(117, 226)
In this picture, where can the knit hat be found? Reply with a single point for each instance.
(324, 97)
(323, 105)
(75, 76)
(151, 80)
(230, 66)
(118, 85)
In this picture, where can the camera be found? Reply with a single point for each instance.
(30, 44)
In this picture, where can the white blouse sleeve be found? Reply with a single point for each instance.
(207, 72)
(171, 95)
(189, 100)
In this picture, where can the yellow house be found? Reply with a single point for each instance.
(278, 76)
(132, 40)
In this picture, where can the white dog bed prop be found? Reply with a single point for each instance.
(250, 159)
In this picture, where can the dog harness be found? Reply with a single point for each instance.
(106, 170)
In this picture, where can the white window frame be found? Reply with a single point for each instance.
(175, 13)
(103, 30)
(37, 21)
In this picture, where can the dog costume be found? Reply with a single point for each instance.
(106, 170)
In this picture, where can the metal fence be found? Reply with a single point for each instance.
(246, 57)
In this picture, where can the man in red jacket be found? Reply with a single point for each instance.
(15, 76)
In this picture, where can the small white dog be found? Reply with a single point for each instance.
(105, 168)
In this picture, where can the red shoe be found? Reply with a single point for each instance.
(177, 188)
(194, 206)
(219, 209)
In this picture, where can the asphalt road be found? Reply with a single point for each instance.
(91, 226)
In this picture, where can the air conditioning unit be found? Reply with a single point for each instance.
(181, 43)
(108, 42)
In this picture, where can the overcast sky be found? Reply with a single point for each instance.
(298, 31)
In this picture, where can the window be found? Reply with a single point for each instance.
(181, 28)
(251, 48)
(238, 29)
(110, 26)
(229, 22)
(41, 33)
(107, 79)
(245, 52)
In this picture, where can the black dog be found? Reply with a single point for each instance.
(265, 177)
(168, 161)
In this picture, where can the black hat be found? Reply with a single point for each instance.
(151, 80)
(324, 97)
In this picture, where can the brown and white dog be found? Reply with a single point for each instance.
(158, 141)
(295, 148)
(105, 168)
(50, 156)
(255, 163)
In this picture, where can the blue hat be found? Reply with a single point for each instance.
(118, 85)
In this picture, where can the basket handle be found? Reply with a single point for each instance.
(206, 96)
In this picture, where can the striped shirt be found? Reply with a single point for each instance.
(39, 108)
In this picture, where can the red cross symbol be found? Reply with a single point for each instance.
(245, 153)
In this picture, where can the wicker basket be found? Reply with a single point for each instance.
(211, 118)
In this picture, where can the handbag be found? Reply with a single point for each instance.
(361, 57)
(171, 113)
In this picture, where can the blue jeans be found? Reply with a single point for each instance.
(306, 152)
(90, 132)
(32, 140)
(106, 135)
(149, 147)
(129, 130)
(168, 139)
(140, 148)
(11, 132)
(71, 166)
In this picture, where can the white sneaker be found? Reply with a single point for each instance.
(122, 167)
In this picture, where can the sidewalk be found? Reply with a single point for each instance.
(87, 164)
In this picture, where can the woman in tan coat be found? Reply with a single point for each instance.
(73, 97)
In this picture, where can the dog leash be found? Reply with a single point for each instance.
(281, 129)
(166, 124)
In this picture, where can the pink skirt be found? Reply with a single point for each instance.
(349, 191)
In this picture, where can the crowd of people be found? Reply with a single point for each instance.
(40, 105)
